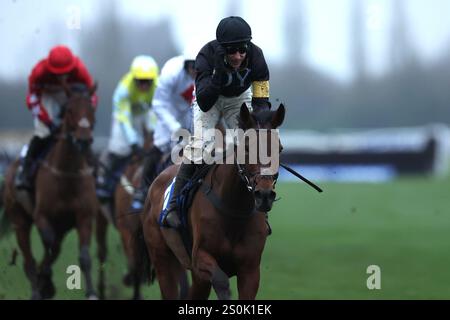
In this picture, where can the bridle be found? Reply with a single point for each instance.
(70, 134)
(250, 178)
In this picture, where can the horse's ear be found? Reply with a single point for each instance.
(93, 89)
(278, 117)
(245, 118)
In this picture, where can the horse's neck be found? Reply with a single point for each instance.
(230, 187)
(65, 157)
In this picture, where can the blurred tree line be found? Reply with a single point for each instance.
(411, 93)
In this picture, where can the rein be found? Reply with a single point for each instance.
(89, 171)
(221, 206)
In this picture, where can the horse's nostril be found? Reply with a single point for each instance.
(272, 195)
(265, 195)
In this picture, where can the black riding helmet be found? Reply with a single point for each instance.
(233, 30)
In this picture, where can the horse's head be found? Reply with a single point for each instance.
(260, 170)
(79, 116)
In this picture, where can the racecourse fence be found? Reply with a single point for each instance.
(343, 155)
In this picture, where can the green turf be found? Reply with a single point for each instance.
(321, 246)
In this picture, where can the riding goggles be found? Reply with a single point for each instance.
(233, 49)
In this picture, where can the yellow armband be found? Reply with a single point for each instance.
(260, 89)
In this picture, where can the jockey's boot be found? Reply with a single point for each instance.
(24, 177)
(148, 175)
(184, 174)
(106, 181)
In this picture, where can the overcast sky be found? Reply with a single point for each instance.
(327, 44)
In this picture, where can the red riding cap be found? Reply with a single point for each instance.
(60, 60)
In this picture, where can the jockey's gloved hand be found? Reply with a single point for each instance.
(220, 74)
(32, 100)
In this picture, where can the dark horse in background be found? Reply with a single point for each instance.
(226, 222)
(64, 196)
(117, 211)
(129, 224)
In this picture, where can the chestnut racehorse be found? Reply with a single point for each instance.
(226, 222)
(64, 196)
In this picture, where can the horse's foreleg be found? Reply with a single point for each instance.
(130, 242)
(162, 259)
(52, 250)
(207, 269)
(142, 262)
(46, 231)
(248, 283)
(127, 245)
(184, 284)
(101, 228)
(166, 268)
(23, 231)
(200, 288)
(84, 228)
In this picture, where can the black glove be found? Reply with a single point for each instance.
(220, 75)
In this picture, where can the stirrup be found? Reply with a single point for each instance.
(136, 206)
(137, 203)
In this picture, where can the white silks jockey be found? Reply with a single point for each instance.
(172, 105)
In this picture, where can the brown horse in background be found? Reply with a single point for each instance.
(226, 223)
(64, 197)
(128, 225)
